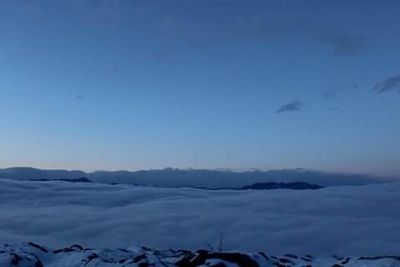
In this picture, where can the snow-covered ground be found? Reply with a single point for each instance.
(34, 255)
(346, 220)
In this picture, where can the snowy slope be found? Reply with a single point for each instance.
(347, 220)
(34, 255)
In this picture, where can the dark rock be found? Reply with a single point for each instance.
(37, 246)
(291, 256)
(242, 260)
(380, 257)
(91, 257)
(346, 260)
(39, 264)
(219, 264)
(283, 260)
(15, 259)
(139, 258)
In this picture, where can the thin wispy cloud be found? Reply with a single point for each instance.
(392, 83)
(336, 91)
(342, 44)
(294, 106)
(331, 92)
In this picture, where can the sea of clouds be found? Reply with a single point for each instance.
(348, 220)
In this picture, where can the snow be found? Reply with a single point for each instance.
(346, 220)
(34, 255)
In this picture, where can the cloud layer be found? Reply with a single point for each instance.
(352, 220)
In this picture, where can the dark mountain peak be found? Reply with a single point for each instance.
(281, 185)
(71, 180)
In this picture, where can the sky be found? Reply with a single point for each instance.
(113, 84)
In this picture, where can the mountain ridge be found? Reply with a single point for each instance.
(170, 177)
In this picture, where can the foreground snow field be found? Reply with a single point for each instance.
(34, 255)
(347, 220)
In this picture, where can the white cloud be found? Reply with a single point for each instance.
(350, 220)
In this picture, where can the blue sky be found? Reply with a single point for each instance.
(203, 84)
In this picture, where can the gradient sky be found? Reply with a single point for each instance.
(203, 84)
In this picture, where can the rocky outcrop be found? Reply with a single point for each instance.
(34, 255)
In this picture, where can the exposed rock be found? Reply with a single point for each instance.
(34, 255)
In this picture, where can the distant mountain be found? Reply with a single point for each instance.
(73, 180)
(281, 185)
(196, 178)
(26, 173)
(272, 185)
